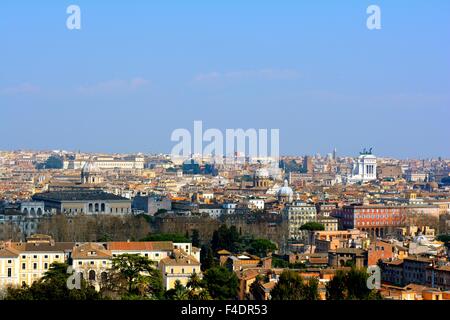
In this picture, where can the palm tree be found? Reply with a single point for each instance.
(195, 282)
(179, 292)
(197, 289)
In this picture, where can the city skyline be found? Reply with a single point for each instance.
(299, 155)
(133, 74)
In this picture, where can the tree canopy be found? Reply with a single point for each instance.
(312, 226)
(351, 285)
(225, 238)
(221, 283)
(133, 274)
(261, 247)
(291, 286)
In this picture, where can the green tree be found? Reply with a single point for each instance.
(311, 289)
(311, 227)
(179, 292)
(335, 288)
(279, 263)
(138, 274)
(225, 238)
(207, 258)
(351, 285)
(221, 283)
(195, 238)
(255, 288)
(291, 286)
(356, 283)
(261, 247)
(196, 287)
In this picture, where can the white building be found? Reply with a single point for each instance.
(364, 169)
(108, 163)
(256, 204)
(296, 215)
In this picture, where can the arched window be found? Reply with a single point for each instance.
(39, 211)
(104, 276)
(103, 207)
(90, 207)
(92, 275)
(96, 207)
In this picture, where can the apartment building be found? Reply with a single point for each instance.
(22, 263)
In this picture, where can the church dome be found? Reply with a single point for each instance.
(90, 167)
(421, 239)
(285, 191)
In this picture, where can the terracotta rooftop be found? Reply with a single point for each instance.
(9, 253)
(179, 258)
(141, 246)
(90, 251)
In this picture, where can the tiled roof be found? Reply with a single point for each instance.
(91, 251)
(43, 247)
(8, 253)
(77, 196)
(179, 258)
(141, 246)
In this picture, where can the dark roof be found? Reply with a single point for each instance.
(44, 247)
(77, 196)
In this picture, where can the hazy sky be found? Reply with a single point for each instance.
(137, 70)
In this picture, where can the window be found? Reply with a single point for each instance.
(24, 257)
(92, 262)
(57, 256)
(46, 257)
(35, 257)
(46, 266)
(35, 266)
(80, 263)
(171, 270)
(9, 261)
(9, 273)
(24, 266)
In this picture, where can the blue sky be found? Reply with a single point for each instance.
(137, 70)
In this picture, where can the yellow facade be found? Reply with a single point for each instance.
(172, 273)
(33, 265)
(9, 271)
(26, 267)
